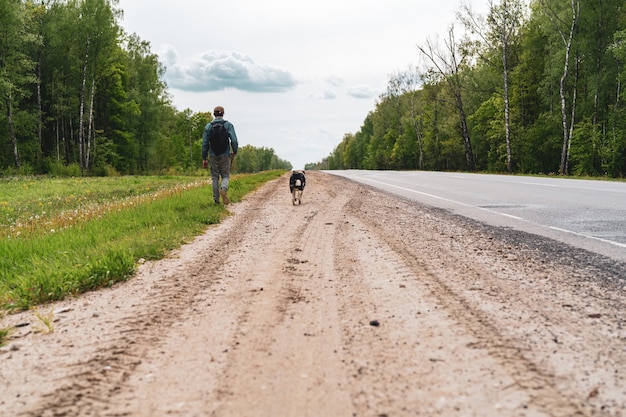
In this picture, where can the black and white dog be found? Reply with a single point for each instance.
(297, 181)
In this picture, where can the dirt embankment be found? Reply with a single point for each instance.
(354, 303)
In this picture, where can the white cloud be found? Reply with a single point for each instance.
(220, 70)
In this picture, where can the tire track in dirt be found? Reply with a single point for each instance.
(84, 385)
(286, 362)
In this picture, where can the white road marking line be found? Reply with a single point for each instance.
(539, 184)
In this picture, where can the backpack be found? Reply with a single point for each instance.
(218, 138)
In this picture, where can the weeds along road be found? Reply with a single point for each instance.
(355, 303)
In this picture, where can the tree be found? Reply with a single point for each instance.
(406, 85)
(565, 25)
(499, 32)
(16, 67)
(447, 66)
(616, 163)
(148, 91)
(251, 159)
(39, 17)
(98, 38)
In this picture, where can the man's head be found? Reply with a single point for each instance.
(218, 111)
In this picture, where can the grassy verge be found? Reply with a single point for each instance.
(74, 247)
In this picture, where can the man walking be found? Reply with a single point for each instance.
(218, 140)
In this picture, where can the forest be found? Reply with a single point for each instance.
(79, 96)
(530, 88)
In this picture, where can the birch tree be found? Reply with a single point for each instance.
(99, 33)
(565, 24)
(499, 32)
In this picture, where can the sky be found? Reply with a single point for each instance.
(293, 75)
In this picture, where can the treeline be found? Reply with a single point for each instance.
(79, 95)
(527, 89)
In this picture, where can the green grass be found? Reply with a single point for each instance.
(4, 334)
(64, 237)
(33, 202)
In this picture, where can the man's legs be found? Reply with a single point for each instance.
(220, 167)
(215, 176)
(224, 167)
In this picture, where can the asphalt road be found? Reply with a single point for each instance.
(587, 214)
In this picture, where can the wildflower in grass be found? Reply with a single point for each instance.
(87, 209)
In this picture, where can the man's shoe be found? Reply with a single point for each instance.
(224, 197)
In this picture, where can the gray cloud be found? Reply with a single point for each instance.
(215, 70)
(334, 81)
(329, 95)
(362, 91)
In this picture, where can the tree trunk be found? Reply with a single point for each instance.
(416, 127)
(89, 132)
(68, 141)
(57, 139)
(81, 116)
(469, 154)
(190, 144)
(564, 155)
(39, 105)
(435, 127)
(572, 117)
(566, 128)
(16, 154)
(507, 118)
(615, 111)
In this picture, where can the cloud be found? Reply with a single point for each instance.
(329, 95)
(334, 81)
(362, 91)
(216, 70)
